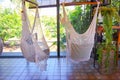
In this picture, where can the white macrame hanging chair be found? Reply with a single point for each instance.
(1, 46)
(33, 44)
(79, 46)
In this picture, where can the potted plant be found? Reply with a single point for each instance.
(107, 50)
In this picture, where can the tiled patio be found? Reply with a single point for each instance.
(57, 69)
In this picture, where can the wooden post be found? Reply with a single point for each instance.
(78, 3)
(118, 46)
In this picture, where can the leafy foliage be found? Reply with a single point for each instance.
(10, 24)
(49, 26)
(109, 15)
(80, 18)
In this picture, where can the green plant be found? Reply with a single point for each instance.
(12, 43)
(109, 14)
(50, 29)
(10, 24)
(107, 23)
(80, 18)
(105, 49)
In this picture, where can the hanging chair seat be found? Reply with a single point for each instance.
(32, 51)
(33, 44)
(75, 48)
(79, 46)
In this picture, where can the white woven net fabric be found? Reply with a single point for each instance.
(1, 46)
(33, 44)
(79, 46)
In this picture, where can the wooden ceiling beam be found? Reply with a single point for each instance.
(115, 27)
(79, 3)
(31, 2)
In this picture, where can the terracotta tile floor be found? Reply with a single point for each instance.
(57, 69)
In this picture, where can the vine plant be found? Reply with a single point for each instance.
(109, 14)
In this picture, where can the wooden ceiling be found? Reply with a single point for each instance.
(55, 3)
(51, 2)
